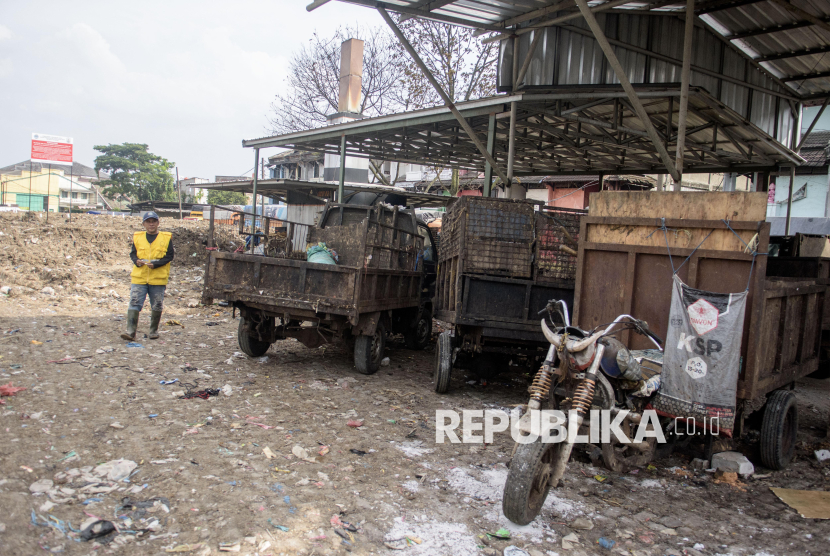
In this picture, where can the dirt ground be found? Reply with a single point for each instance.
(275, 467)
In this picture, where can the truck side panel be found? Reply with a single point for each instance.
(282, 282)
(388, 289)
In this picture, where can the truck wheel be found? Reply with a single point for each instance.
(249, 345)
(368, 351)
(419, 335)
(443, 363)
(779, 429)
(529, 481)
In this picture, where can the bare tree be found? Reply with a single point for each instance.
(314, 75)
(463, 66)
(460, 62)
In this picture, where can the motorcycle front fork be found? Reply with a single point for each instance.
(581, 401)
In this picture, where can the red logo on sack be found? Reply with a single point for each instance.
(703, 316)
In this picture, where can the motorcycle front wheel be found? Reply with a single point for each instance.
(529, 481)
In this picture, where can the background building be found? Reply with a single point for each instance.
(810, 197)
(33, 186)
(191, 192)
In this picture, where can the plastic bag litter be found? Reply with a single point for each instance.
(9, 390)
(98, 528)
(116, 470)
(321, 254)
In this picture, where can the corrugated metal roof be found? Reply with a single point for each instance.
(570, 132)
(769, 47)
(791, 40)
(277, 188)
(648, 50)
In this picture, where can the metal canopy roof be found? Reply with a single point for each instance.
(279, 189)
(574, 131)
(791, 40)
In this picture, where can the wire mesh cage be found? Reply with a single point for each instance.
(492, 236)
(557, 234)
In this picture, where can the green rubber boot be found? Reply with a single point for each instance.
(155, 318)
(132, 324)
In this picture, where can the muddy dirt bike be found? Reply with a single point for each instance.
(582, 371)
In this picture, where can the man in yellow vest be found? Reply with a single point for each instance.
(151, 255)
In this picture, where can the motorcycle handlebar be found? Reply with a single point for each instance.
(643, 325)
(551, 306)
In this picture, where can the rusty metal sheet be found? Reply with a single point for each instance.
(781, 337)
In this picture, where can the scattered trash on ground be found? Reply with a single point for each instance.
(9, 390)
(201, 394)
(810, 504)
(98, 528)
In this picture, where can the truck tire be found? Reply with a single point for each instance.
(528, 481)
(443, 363)
(779, 429)
(250, 346)
(368, 351)
(419, 335)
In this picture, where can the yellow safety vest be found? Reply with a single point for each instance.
(151, 251)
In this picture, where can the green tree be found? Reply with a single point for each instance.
(135, 173)
(216, 197)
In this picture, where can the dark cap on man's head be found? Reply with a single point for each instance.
(149, 215)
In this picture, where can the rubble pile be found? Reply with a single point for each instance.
(36, 253)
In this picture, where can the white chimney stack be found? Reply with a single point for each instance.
(348, 110)
(351, 74)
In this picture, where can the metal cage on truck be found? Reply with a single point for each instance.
(376, 285)
(500, 262)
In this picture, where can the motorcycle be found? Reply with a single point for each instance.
(582, 371)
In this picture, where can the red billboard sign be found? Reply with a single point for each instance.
(51, 149)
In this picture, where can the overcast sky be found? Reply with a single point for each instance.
(190, 79)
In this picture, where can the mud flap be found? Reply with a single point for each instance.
(366, 324)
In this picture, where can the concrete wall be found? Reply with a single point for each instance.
(813, 205)
(538, 194)
(570, 197)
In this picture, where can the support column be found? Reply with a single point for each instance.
(515, 73)
(511, 153)
(253, 196)
(827, 201)
(684, 90)
(763, 182)
(342, 179)
(491, 143)
(438, 89)
(256, 167)
(790, 201)
(591, 20)
(799, 110)
(660, 178)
